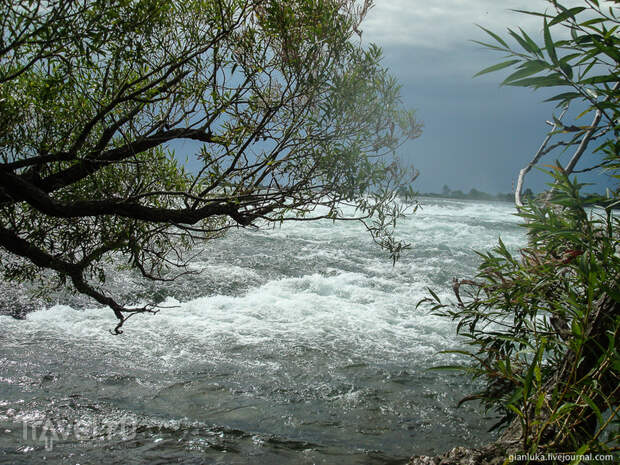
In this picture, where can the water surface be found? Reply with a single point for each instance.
(296, 345)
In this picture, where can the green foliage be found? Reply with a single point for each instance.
(584, 57)
(541, 326)
(291, 115)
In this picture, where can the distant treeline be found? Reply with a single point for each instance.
(475, 194)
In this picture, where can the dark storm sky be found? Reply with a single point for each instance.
(477, 134)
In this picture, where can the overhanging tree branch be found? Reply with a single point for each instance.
(289, 113)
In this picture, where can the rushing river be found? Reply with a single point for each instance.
(297, 345)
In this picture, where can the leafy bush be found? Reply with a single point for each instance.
(541, 326)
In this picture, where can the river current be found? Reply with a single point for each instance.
(295, 345)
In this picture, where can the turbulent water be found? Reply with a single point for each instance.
(298, 345)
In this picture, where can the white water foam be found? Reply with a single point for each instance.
(360, 303)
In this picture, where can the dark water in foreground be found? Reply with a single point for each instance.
(299, 345)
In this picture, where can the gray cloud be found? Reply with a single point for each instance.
(443, 24)
(477, 134)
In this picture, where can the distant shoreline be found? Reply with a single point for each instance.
(590, 200)
(490, 197)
